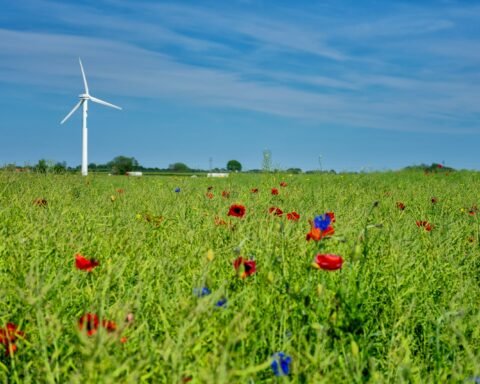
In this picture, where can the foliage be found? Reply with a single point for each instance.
(178, 167)
(403, 307)
(120, 165)
(234, 166)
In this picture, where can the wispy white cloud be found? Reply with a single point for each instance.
(345, 75)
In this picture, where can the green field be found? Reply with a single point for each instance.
(404, 307)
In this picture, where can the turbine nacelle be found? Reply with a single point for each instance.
(84, 96)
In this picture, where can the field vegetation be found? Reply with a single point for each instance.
(117, 279)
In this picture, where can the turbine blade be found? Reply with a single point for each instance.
(72, 111)
(84, 77)
(95, 100)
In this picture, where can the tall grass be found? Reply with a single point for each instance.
(405, 307)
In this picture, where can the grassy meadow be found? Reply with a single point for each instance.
(403, 308)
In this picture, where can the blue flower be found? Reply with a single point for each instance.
(200, 292)
(177, 189)
(221, 302)
(322, 222)
(281, 364)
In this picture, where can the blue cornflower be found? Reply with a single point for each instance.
(200, 292)
(221, 302)
(322, 222)
(281, 364)
(177, 189)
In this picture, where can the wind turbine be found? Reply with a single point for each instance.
(84, 99)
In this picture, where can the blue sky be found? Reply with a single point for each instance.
(364, 85)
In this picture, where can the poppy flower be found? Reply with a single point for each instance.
(294, 216)
(244, 267)
(320, 227)
(274, 191)
(85, 264)
(254, 190)
(281, 364)
(327, 262)
(8, 336)
(472, 211)
(90, 322)
(109, 325)
(209, 195)
(400, 205)
(120, 191)
(276, 211)
(331, 215)
(236, 210)
(40, 202)
(425, 224)
(283, 184)
(225, 194)
(434, 200)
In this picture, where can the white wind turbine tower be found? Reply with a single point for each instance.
(84, 98)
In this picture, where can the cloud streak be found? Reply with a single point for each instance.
(355, 74)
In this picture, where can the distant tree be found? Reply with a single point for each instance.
(294, 170)
(122, 164)
(178, 167)
(41, 166)
(234, 166)
(60, 167)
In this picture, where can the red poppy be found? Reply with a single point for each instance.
(274, 191)
(331, 215)
(120, 191)
(283, 184)
(90, 322)
(225, 194)
(472, 211)
(328, 262)
(244, 267)
(236, 210)
(85, 264)
(400, 205)
(209, 195)
(8, 336)
(109, 325)
(434, 200)
(123, 339)
(294, 216)
(40, 202)
(425, 224)
(276, 211)
(318, 234)
(254, 190)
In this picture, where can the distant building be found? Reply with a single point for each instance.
(216, 174)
